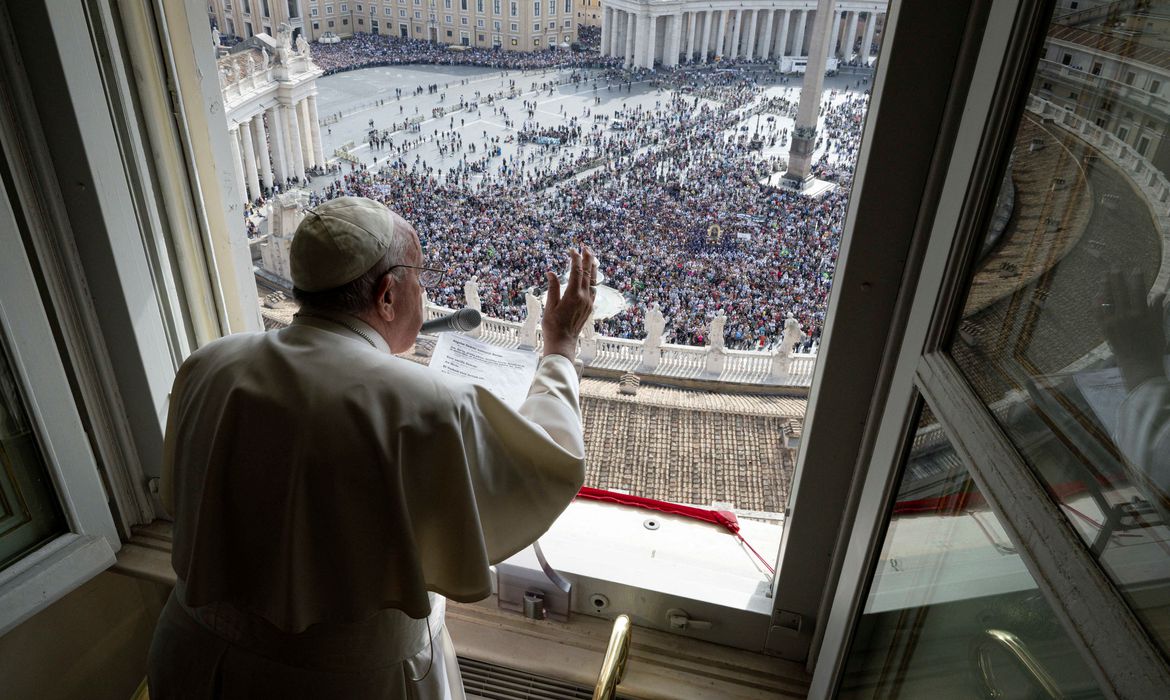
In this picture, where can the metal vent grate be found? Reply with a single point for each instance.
(493, 682)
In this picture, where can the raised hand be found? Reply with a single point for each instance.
(567, 311)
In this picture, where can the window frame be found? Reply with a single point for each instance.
(1111, 642)
(103, 360)
(47, 573)
(864, 302)
(60, 565)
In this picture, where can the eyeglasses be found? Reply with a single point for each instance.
(427, 276)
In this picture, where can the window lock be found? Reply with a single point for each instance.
(680, 620)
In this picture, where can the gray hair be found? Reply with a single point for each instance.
(357, 297)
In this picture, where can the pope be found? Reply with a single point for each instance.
(329, 496)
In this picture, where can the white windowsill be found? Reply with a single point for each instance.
(41, 578)
(662, 666)
(679, 557)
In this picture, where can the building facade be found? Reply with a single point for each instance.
(513, 25)
(1117, 84)
(244, 19)
(648, 33)
(589, 13)
(270, 99)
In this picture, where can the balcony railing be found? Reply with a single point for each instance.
(1109, 88)
(775, 368)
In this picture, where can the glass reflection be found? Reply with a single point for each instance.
(29, 511)
(951, 610)
(1063, 332)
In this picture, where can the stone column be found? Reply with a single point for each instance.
(315, 131)
(836, 36)
(644, 43)
(782, 40)
(691, 25)
(615, 34)
(251, 180)
(754, 31)
(867, 43)
(306, 133)
(294, 141)
(613, 31)
(279, 152)
(766, 38)
(605, 21)
(751, 43)
(735, 30)
(722, 33)
(798, 40)
(262, 150)
(674, 44)
(707, 19)
(653, 45)
(851, 37)
(238, 159)
(631, 32)
(804, 131)
(729, 44)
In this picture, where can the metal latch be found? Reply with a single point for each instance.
(541, 594)
(680, 620)
(534, 605)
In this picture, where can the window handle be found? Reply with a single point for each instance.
(680, 620)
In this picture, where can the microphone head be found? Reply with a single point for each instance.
(462, 320)
(466, 320)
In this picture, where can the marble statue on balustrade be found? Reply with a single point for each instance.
(266, 59)
(655, 326)
(250, 63)
(652, 346)
(471, 294)
(716, 358)
(531, 321)
(789, 339)
(302, 45)
(587, 347)
(793, 335)
(471, 301)
(715, 340)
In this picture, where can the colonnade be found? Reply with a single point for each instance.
(645, 37)
(279, 143)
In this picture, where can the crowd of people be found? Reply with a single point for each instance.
(369, 50)
(671, 201)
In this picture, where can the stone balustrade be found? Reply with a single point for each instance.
(620, 355)
(1150, 181)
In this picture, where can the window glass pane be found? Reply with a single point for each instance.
(29, 512)
(1057, 335)
(949, 596)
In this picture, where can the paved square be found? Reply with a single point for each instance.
(349, 101)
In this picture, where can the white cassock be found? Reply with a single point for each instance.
(1143, 436)
(327, 496)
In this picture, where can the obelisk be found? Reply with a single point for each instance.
(804, 133)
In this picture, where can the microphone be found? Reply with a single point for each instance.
(461, 320)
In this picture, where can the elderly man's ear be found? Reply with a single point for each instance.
(385, 302)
